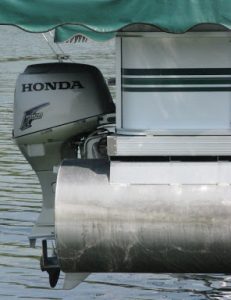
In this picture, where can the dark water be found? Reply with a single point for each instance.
(20, 199)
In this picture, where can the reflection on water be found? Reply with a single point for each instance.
(20, 276)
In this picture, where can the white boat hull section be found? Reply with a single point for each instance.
(108, 219)
(171, 173)
(169, 145)
(173, 82)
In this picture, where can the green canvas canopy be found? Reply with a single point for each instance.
(101, 19)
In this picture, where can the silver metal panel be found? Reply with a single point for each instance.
(184, 132)
(168, 145)
(188, 50)
(103, 227)
(172, 101)
(170, 173)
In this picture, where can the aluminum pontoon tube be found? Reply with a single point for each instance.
(118, 227)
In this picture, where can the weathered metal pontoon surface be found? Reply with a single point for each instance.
(121, 227)
(102, 19)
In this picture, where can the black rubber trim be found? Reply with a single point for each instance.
(181, 71)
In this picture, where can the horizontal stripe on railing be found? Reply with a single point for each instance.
(176, 89)
(179, 71)
(175, 81)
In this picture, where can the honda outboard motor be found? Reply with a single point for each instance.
(56, 106)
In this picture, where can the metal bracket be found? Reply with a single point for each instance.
(50, 265)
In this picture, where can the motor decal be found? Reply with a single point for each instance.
(32, 114)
